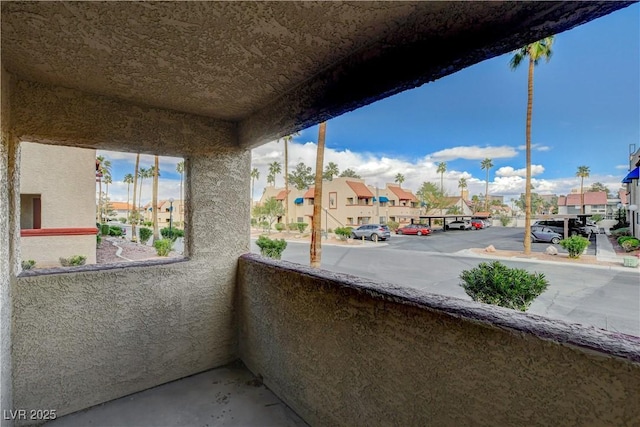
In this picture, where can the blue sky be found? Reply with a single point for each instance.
(586, 112)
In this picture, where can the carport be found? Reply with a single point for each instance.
(582, 219)
(444, 218)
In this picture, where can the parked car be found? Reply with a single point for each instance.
(373, 232)
(485, 221)
(417, 229)
(545, 234)
(459, 225)
(477, 224)
(558, 226)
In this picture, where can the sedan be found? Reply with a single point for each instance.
(374, 232)
(477, 224)
(458, 225)
(417, 229)
(545, 234)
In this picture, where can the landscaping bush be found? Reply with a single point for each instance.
(145, 235)
(271, 248)
(254, 222)
(98, 240)
(622, 239)
(147, 224)
(301, 226)
(495, 283)
(172, 233)
(28, 264)
(575, 245)
(115, 231)
(104, 229)
(596, 218)
(630, 244)
(73, 261)
(343, 232)
(292, 226)
(624, 231)
(279, 226)
(504, 219)
(163, 246)
(393, 226)
(264, 225)
(123, 220)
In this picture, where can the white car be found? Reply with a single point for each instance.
(459, 225)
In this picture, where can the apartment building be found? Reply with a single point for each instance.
(632, 181)
(595, 202)
(165, 215)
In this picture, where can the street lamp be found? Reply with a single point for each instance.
(171, 216)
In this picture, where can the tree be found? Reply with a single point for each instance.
(582, 173)
(155, 171)
(287, 139)
(274, 169)
(271, 210)
(302, 177)
(486, 164)
(134, 217)
(349, 173)
(399, 179)
(315, 254)
(534, 51)
(330, 171)
(103, 168)
(128, 179)
(430, 195)
(180, 170)
(598, 186)
(442, 168)
(462, 184)
(535, 202)
(255, 174)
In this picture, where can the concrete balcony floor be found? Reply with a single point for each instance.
(227, 396)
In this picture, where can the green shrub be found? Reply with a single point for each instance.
(504, 219)
(343, 232)
(163, 246)
(73, 261)
(301, 226)
(622, 239)
(147, 223)
(123, 220)
(630, 244)
(98, 240)
(596, 218)
(292, 226)
(28, 264)
(271, 248)
(172, 233)
(575, 245)
(145, 235)
(620, 232)
(495, 283)
(115, 231)
(264, 225)
(393, 226)
(279, 226)
(104, 229)
(329, 230)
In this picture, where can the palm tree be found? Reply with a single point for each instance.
(155, 171)
(316, 223)
(534, 51)
(399, 179)
(330, 171)
(107, 181)
(255, 174)
(274, 169)
(442, 168)
(462, 184)
(486, 164)
(287, 139)
(103, 169)
(144, 173)
(180, 170)
(128, 179)
(134, 217)
(582, 173)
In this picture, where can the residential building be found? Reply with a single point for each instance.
(117, 210)
(452, 205)
(57, 203)
(338, 350)
(632, 182)
(165, 215)
(595, 202)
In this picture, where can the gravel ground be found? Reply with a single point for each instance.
(106, 251)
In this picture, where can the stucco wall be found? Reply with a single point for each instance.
(345, 351)
(93, 335)
(46, 251)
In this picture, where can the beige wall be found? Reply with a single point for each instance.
(46, 251)
(345, 351)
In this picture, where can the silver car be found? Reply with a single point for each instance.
(373, 232)
(545, 234)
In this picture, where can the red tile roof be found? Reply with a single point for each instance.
(402, 195)
(590, 198)
(282, 195)
(310, 194)
(361, 190)
(121, 206)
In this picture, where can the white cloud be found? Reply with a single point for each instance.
(535, 147)
(474, 152)
(509, 171)
(622, 167)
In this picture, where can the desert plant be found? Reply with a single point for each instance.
(292, 226)
(343, 232)
(163, 246)
(575, 245)
(171, 233)
(596, 218)
(279, 226)
(301, 226)
(264, 225)
(504, 219)
(115, 231)
(630, 244)
(148, 223)
(123, 220)
(104, 229)
(73, 261)
(98, 240)
(271, 248)
(624, 231)
(145, 235)
(28, 264)
(495, 283)
(393, 226)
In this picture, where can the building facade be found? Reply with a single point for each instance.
(632, 181)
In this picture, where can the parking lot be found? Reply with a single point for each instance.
(451, 241)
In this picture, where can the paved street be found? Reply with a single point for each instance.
(595, 296)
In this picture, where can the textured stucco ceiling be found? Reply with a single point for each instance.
(239, 61)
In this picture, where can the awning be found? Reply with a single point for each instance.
(384, 199)
(298, 201)
(634, 174)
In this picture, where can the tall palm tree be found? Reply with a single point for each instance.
(107, 181)
(316, 224)
(534, 51)
(287, 139)
(134, 217)
(128, 179)
(274, 169)
(330, 171)
(103, 168)
(155, 172)
(399, 179)
(462, 184)
(486, 164)
(180, 170)
(255, 174)
(442, 168)
(582, 173)
(143, 173)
